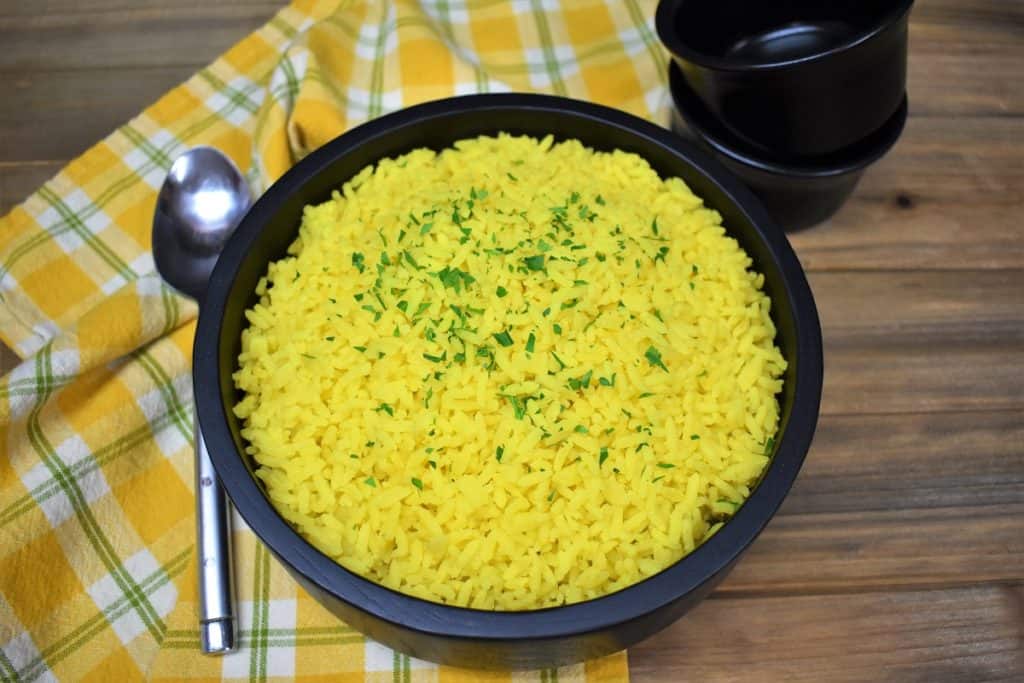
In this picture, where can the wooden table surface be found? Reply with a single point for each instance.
(899, 554)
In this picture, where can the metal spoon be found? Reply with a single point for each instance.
(201, 201)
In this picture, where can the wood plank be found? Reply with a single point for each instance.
(921, 342)
(961, 306)
(897, 501)
(108, 36)
(926, 375)
(19, 180)
(960, 634)
(59, 115)
(901, 462)
(947, 196)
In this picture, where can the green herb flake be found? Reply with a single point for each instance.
(551, 496)
(436, 359)
(329, 338)
(693, 269)
(512, 177)
(403, 305)
(653, 357)
(654, 227)
(646, 394)
(604, 456)
(410, 260)
(580, 429)
(503, 338)
(353, 456)
(501, 292)
(694, 437)
(558, 360)
(306, 355)
(360, 349)
(657, 479)
(666, 465)
(692, 286)
(662, 253)
(534, 262)
(599, 200)
(769, 445)
(425, 228)
(358, 297)
(557, 328)
(544, 246)
(546, 312)
(433, 464)
(384, 407)
(499, 452)
(530, 342)
(370, 481)
(421, 309)
(359, 261)
(608, 382)
(417, 483)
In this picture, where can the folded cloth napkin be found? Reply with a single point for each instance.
(97, 577)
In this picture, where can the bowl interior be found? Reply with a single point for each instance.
(272, 225)
(745, 33)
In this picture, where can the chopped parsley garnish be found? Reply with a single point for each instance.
(581, 382)
(425, 228)
(455, 278)
(512, 177)
(417, 483)
(607, 382)
(543, 246)
(665, 465)
(436, 359)
(499, 452)
(769, 445)
(501, 292)
(534, 262)
(359, 261)
(370, 481)
(599, 200)
(558, 360)
(384, 407)
(360, 349)
(603, 456)
(530, 341)
(503, 338)
(694, 437)
(654, 227)
(662, 253)
(580, 429)
(329, 338)
(557, 328)
(653, 357)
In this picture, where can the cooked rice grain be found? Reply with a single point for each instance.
(509, 375)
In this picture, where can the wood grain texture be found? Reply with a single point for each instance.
(967, 634)
(899, 554)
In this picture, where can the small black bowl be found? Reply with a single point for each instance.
(469, 637)
(794, 78)
(797, 193)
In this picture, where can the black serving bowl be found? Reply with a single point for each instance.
(794, 78)
(468, 637)
(797, 193)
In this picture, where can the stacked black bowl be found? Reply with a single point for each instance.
(796, 98)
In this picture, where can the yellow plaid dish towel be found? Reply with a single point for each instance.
(96, 511)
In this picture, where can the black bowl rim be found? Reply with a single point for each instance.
(408, 612)
(711, 130)
(668, 10)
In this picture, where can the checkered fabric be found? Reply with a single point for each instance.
(97, 577)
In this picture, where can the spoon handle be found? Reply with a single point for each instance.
(216, 610)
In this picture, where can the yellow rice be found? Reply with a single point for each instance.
(510, 375)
